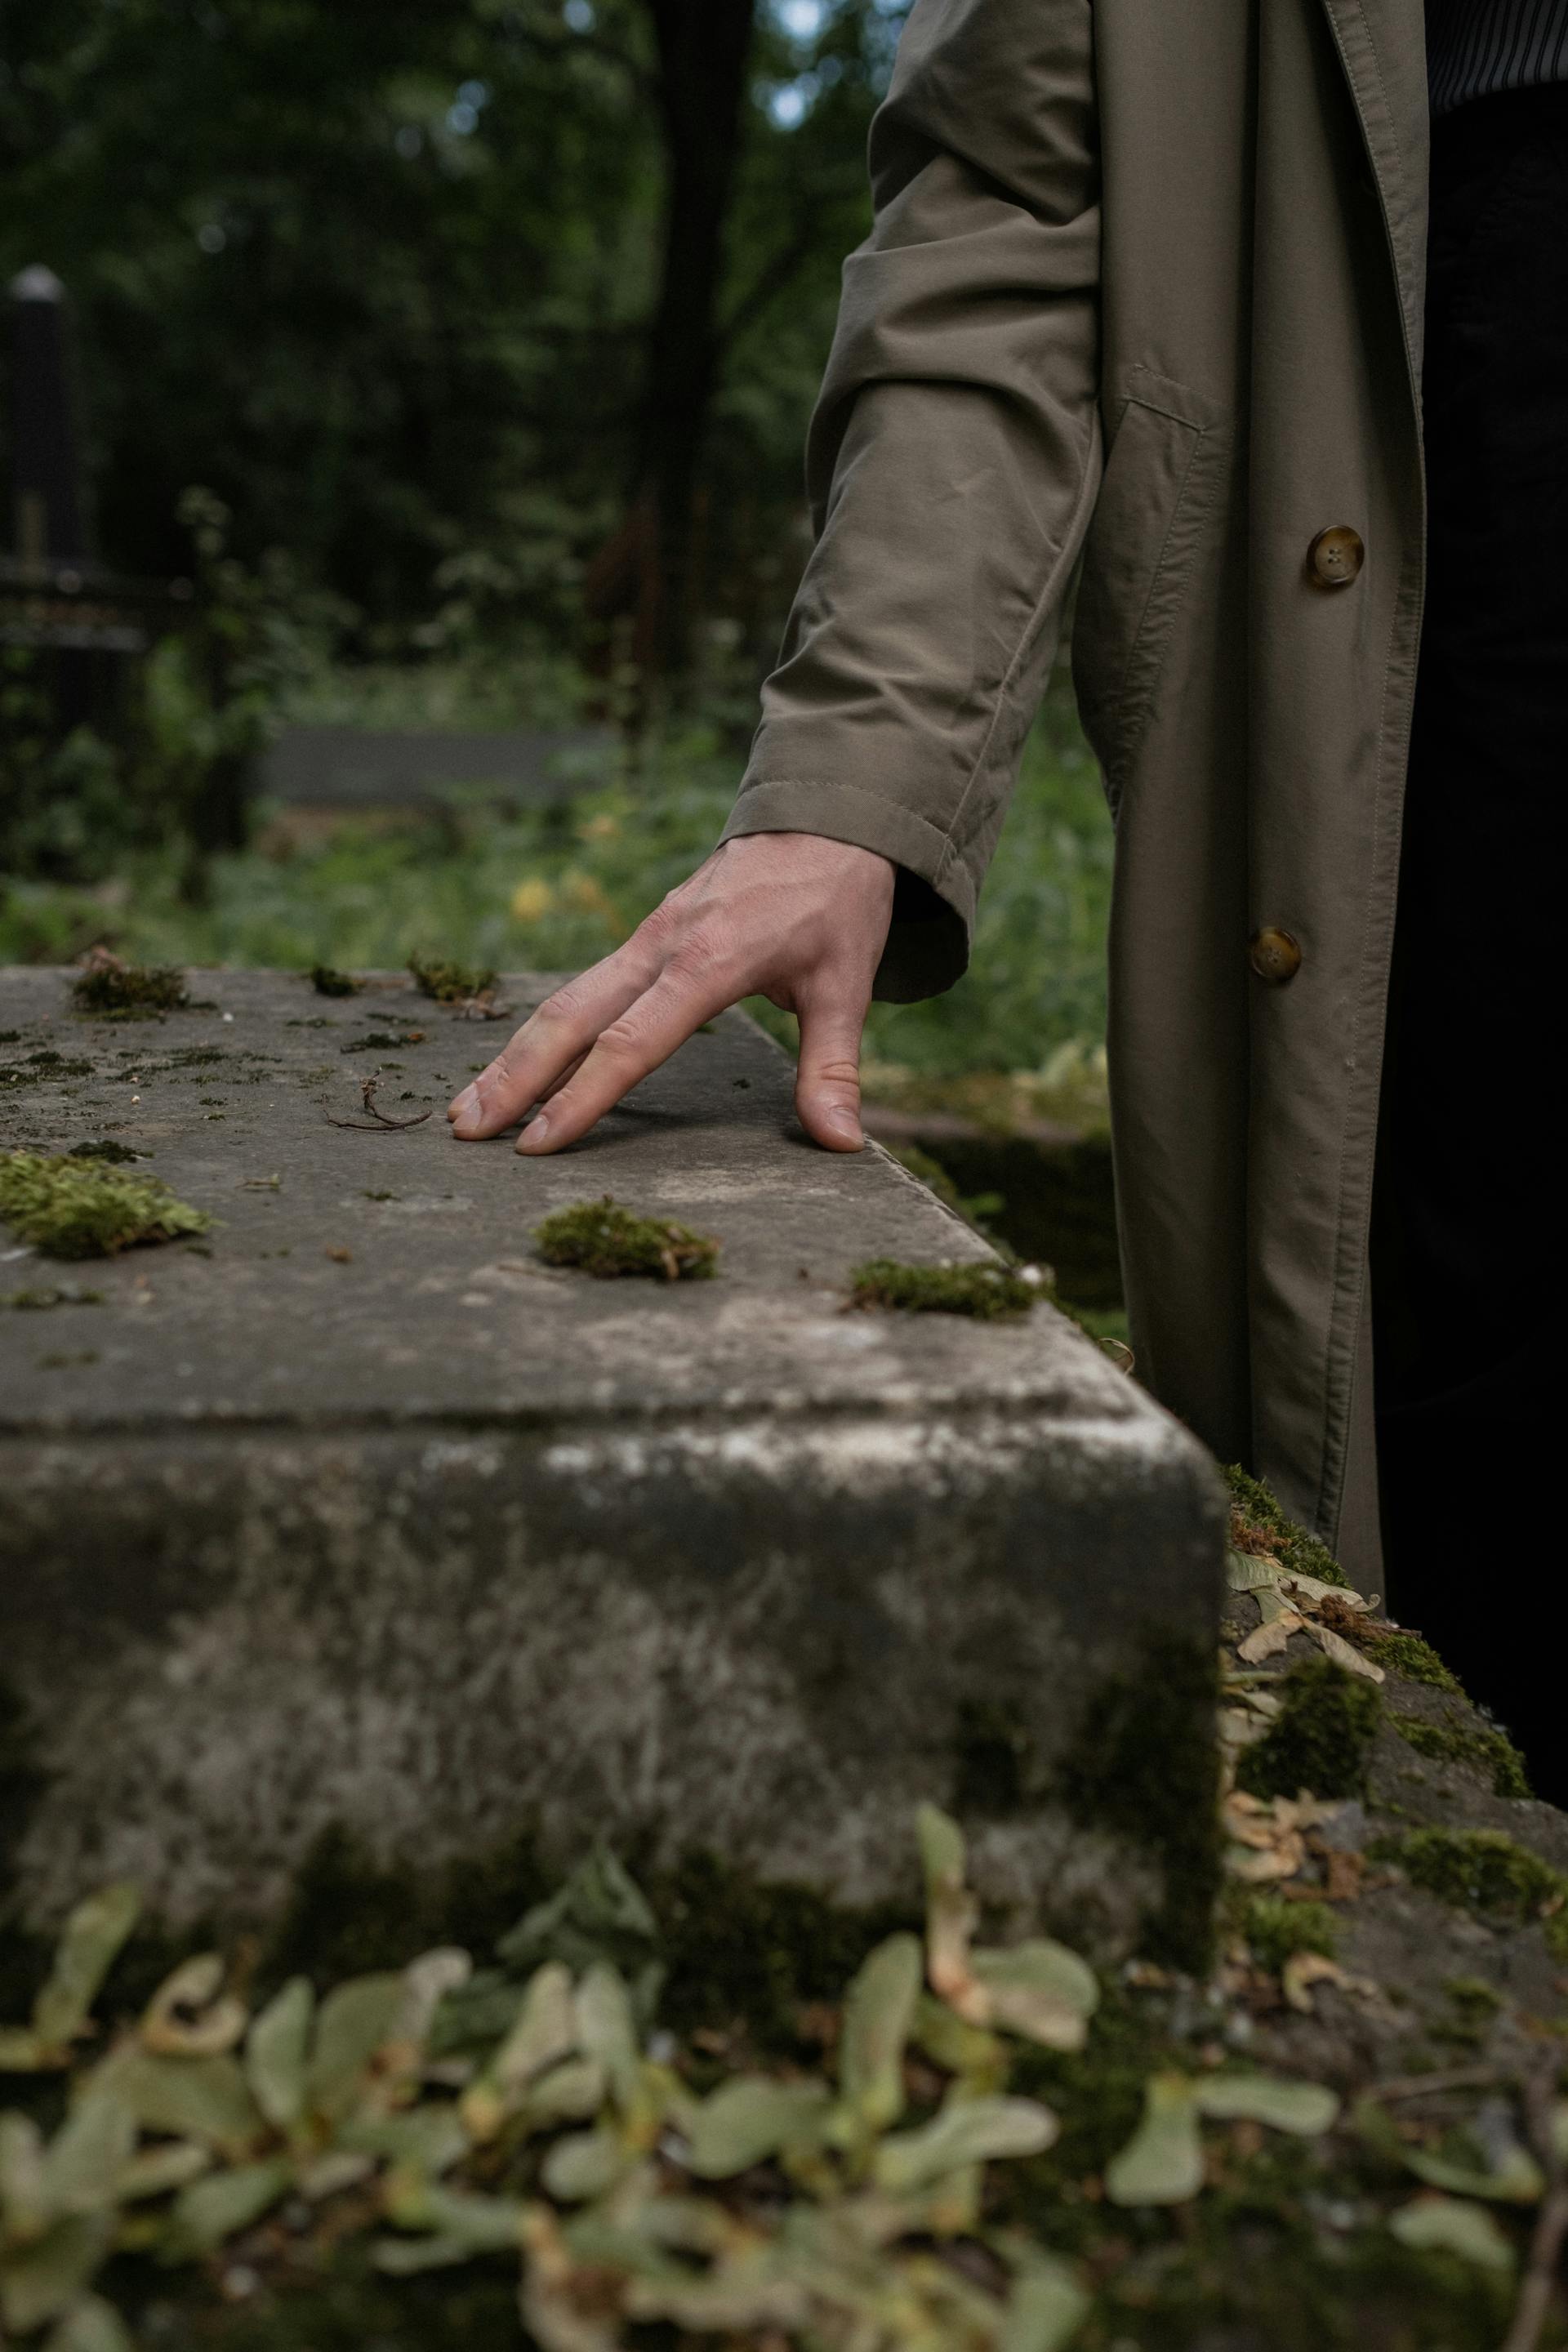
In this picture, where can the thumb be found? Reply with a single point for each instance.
(828, 1081)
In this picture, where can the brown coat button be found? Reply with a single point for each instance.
(1274, 956)
(1335, 556)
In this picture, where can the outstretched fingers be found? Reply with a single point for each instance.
(647, 1033)
(550, 1044)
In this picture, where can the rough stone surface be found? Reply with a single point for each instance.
(441, 1547)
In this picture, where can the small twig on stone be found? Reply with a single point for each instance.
(1531, 2312)
(378, 1118)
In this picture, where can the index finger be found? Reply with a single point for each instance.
(554, 1036)
(649, 1033)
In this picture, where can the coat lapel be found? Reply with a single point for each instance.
(1382, 49)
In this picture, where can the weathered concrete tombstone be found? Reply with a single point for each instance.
(356, 1517)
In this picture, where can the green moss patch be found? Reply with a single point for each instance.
(327, 982)
(1322, 1738)
(42, 1068)
(1274, 1928)
(450, 984)
(1399, 1652)
(604, 1239)
(1259, 1514)
(129, 992)
(1487, 1873)
(986, 1291)
(1487, 1750)
(78, 1207)
(66, 1294)
(117, 1155)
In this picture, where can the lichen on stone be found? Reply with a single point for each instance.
(449, 982)
(78, 1207)
(604, 1239)
(987, 1290)
(129, 992)
(327, 980)
(1322, 1738)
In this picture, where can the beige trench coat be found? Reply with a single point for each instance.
(1145, 285)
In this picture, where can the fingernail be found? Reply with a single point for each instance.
(845, 1123)
(534, 1133)
(466, 1110)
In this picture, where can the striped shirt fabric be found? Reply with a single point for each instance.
(1477, 47)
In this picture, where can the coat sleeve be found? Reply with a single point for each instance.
(952, 463)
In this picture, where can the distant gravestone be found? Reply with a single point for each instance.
(364, 768)
(358, 1518)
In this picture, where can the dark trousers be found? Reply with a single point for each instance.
(1468, 1248)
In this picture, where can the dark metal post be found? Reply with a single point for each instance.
(47, 499)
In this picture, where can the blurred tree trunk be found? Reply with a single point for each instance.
(646, 571)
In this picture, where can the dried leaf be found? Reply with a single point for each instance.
(878, 2010)
(1247, 1571)
(965, 2132)
(219, 2208)
(1334, 1646)
(1284, 2103)
(1163, 2163)
(275, 2054)
(1311, 1591)
(1270, 1637)
(352, 2025)
(90, 1945)
(1040, 1990)
(1301, 1972)
(1454, 2225)
(751, 2118)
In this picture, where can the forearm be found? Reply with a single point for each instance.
(953, 459)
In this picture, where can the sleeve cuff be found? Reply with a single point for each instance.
(933, 901)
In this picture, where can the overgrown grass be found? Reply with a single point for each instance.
(556, 889)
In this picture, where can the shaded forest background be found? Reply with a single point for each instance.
(490, 315)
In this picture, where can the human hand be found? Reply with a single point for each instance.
(790, 915)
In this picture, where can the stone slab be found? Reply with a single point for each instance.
(358, 1518)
